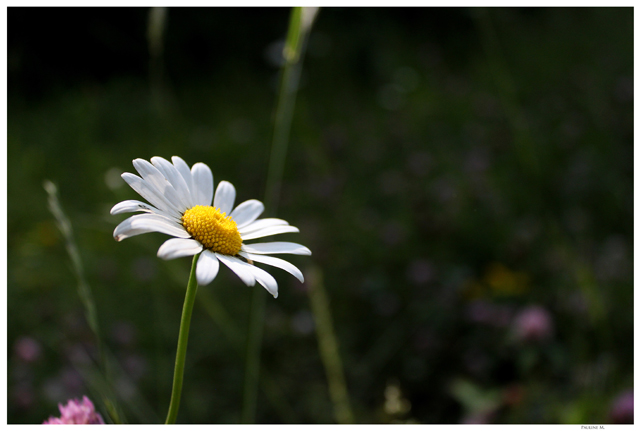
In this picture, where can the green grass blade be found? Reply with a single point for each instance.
(84, 290)
(328, 346)
(300, 24)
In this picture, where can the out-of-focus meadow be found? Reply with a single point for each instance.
(462, 176)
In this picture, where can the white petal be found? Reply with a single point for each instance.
(150, 194)
(238, 266)
(273, 230)
(276, 248)
(277, 262)
(201, 184)
(264, 278)
(225, 197)
(177, 181)
(183, 168)
(156, 180)
(143, 223)
(179, 247)
(131, 206)
(247, 212)
(207, 268)
(262, 223)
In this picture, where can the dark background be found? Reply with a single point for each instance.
(462, 176)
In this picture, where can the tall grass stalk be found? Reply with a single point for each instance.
(328, 346)
(299, 26)
(156, 25)
(524, 144)
(84, 290)
(300, 23)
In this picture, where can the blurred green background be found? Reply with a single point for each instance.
(462, 176)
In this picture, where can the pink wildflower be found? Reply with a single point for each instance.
(76, 412)
(534, 323)
(622, 408)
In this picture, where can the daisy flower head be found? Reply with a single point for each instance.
(182, 203)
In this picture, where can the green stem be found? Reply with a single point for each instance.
(300, 23)
(183, 337)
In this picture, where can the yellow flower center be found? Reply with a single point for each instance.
(215, 231)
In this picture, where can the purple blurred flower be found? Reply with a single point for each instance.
(27, 349)
(135, 366)
(23, 395)
(477, 162)
(534, 323)
(124, 333)
(622, 408)
(420, 271)
(488, 313)
(393, 233)
(479, 418)
(76, 412)
(419, 163)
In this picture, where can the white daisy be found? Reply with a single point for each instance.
(183, 205)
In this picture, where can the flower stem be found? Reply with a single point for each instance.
(183, 337)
